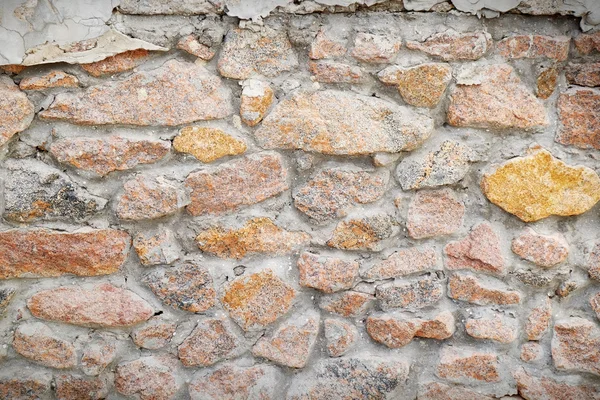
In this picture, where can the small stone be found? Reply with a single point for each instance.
(342, 123)
(118, 63)
(331, 193)
(579, 115)
(16, 111)
(6, 295)
(498, 328)
(454, 46)
(420, 86)
(52, 79)
(588, 43)
(531, 351)
(26, 386)
(362, 234)
(151, 378)
(567, 287)
(335, 72)
(593, 262)
(531, 387)
(256, 236)
(409, 294)
(154, 335)
(188, 287)
(191, 45)
(481, 292)
(324, 47)
(375, 49)
(385, 159)
(538, 320)
(341, 336)
(595, 303)
(538, 185)
(328, 274)
(114, 153)
(97, 356)
(403, 262)
(587, 74)
(434, 213)
(257, 300)
(547, 81)
(12, 69)
(149, 197)
(74, 387)
(156, 247)
(103, 305)
(468, 365)
(207, 144)
(576, 346)
(398, 332)
(175, 93)
(212, 340)
(39, 252)
(347, 304)
(441, 391)
(543, 250)
(37, 342)
(257, 97)
(535, 46)
(292, 343)
(493, 97)
(236, 184)
(245, 53)
(480, 251)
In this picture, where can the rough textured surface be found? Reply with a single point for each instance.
(535, 46)
(207, 144)
(480, 251)
(578, 111)
(403, 262)
(470, 289)
(37, 342)
(498, 328)
(118, 63)
(533, 387)
(53, 79)
(151, 378)
(396, 333)
(420, 86)
(454, 46)
(543, 250)
(156, 247)
(434, 213)
(539, 320)
(575, 346)
(257, 97)
(149, 197)
(154, 335)
(362, 234)
(73, 387)
(211, 341)
(585, 74)
(376, 49)
(328, 274)
(468, 365)
(340, 335)
(334, 72)
(16, 111)
(409, 294)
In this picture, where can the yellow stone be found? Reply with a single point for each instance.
(207, 144)
(538, 185)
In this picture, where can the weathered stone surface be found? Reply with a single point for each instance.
(347, 304)
(97, 356)
(588, 43)
(454, 46)
(535, 46)
(155, 334)
(6, 295)
(468, 365)
(498, 328)
(480, 292)
(531, 352)
(480, 251)
(377, 49)
(340, 123)
(420, 86)
(362, 234)
(175, 93)
(493, 97)
(191, 45)
(547, 81)
(586, 74)
(335, 72)
(324, 47)
(26, 386)
(595, 303)
(593, 262)
(576, 346)
(118, 63)
(36, 341)
(538, 320)
(441, 391)
(543, 388)
(12, 69)
(257, 97)
(257, 236)
(103, 305)
(36, 191)
(188, 287)
(538, 185)
(236, 184)
(149, 197)
(341, 336)
(434, 213)
(105, 155)
(169, 7)
(579, 115)
(409, 294)
(543, 250)
(74, 387)
(52, 79)
(331, 193)
(403, 262)
(245, 53)
(398, 332)
(16, 111)
(151, 378)
(257, 300)
(207, 144)
(47, 253)
(156, 247)
(211, 341)
(328, 274)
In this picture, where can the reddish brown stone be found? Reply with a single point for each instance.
(334, 72)
(470, 289)
(498, 328)
(118, 63)
(151, 378)
(13, 69)
(480, 251)
(398, 332)
(441, 391)
(531, 351)
(347, 304)
(434, 213)
(73, 387)
(156, 247)
(547, 81)
(328, 274)
(16, 111)
(403, 262)
(588, 43)
(579, 115)
(576, 346)
(191, 45)
(97, 356)
(543, 250)
(257, 97)
(543, 388)
(212, 340)
(37, 342)
(595, 303)
(341, 336)
(103, 305)
(376, 49)
(454, 46)
(409, 294)
(324, 47)
(207, 144)
(538, 321)
(154, 335)
(535, 46)
(53, 79)
(468, 365)
(149, 197)
(362, 234)
(587, 74)
(26, 386)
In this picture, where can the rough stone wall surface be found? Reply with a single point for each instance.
(320, 200)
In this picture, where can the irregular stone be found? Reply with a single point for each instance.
(595, 303)
(335, 72)
(593, 262)
(543, 388)
(576, 346)
(538, 321)
(403, 262)
(362, 234)
(231, 382)
(547, 81)
(468, 365)
(25, 386)
(454, 46)
(535, 46)
(173, 94)
(588, 43)
(331, 193)
(420, 86)
(257, 236)
(207, 144)
(12, 69)
(481, 292)
(97, 356)
(347, 304)
(39, 252)
(6, 295)
(497, 328)
(35, 191)
(579, 115)
(37, 342)
(102, 305)
(118, 63)
(191, 45)
(245, 53)
(212, 340)
(586, 74)
(567, 287)
(151, 378)
(341, 336)
(156, 247)
(441, 391)
(74, 387)
(480, 251)
(257, 97)
(16, 111)
(342, 123)
(398, 332)
(531, 351)
(149, 197)
(52, 79)
(538, 185)
(375, 49)
(154, 335)
(409, 294)
(188, 287)
(385, 159)
(543, 250)
(257, 300)
(328, 274)
(236, 184)
(105, 155)
(446, 165)
(434, 213)
(493, 97)
(324, 47)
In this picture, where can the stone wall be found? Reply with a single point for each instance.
(334, 201)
